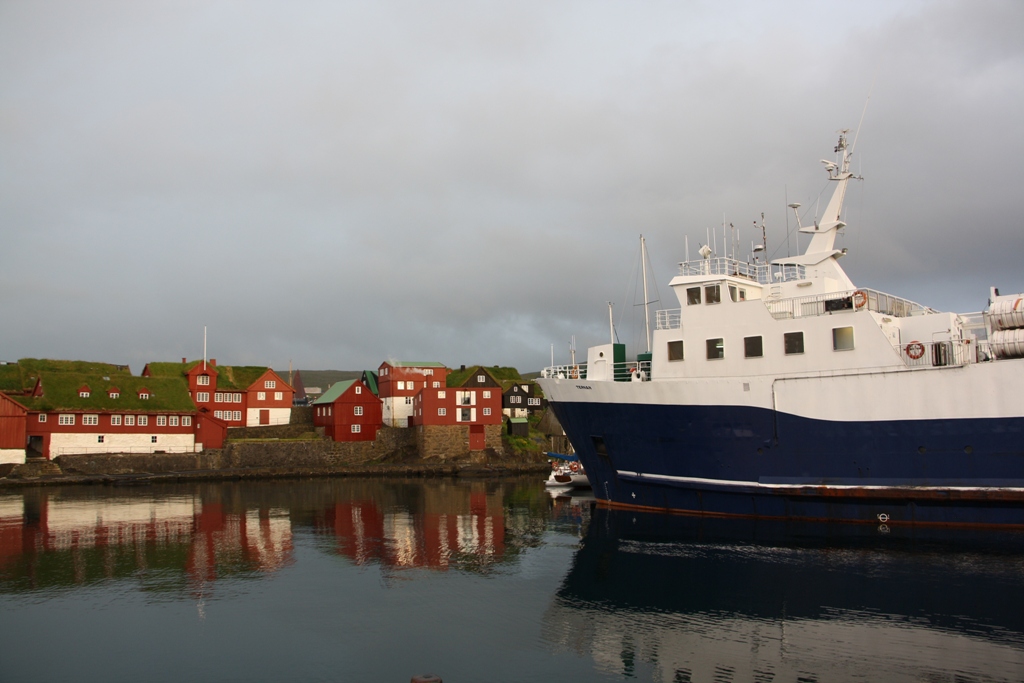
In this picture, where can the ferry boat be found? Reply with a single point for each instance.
(781, 389)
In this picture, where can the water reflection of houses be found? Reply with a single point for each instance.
(450, 525)
(51, 539)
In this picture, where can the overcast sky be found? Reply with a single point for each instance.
(341, 183)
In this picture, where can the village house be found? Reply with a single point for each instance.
(348, 411)
(398, 383)
(80, 407)
(520, 399)
(242, 396)
(468, 415)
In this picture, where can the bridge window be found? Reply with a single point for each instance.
(692, 296)
(753, 347)
(716, 348)
(842, 338)
(712, 294)
(794, 342)
(675, 350)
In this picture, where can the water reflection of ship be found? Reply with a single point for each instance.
(697, 600)
(53, 538)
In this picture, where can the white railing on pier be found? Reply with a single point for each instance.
(762, 273)
(669, 319)
(851, 300)
(635, 371)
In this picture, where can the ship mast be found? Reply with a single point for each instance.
(647, 301)
(824, 233)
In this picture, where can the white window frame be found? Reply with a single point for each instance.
(442, 411)
(261, 396)
(115, 394)
(42, 417)
(129, 420)
(487, 411)
(186, 420)
(357, 410)
(278, 395)
(143, 395)
(270, 384)
(202, 397)
(218, 397)
(143, 420)
(401, 385)
(99, 438)
(115, 420)
(83, 394)
(356, 429)
(172, 420)
(152, 439)
(66, 419)
(487, 393)
(237, 415)
(161, 420)
(203, 380)
(90, 420)
(359, 390)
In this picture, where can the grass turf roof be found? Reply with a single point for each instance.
(60, 392)
(501, 374)
(229, 377)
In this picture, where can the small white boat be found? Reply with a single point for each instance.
(567, 473)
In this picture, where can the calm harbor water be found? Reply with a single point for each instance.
(382, 579)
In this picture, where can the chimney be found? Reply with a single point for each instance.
(184, 360)
(213, 361)
(463, 367)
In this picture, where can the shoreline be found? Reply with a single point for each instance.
(408, 470)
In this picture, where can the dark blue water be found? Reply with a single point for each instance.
(379, 580)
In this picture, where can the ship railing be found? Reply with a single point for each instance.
(850, 300)
(629, 371)
(762, 273)
(669, 319)
(935, 354)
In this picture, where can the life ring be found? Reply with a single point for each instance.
(915, 350)
(860, 297)
(575, 467)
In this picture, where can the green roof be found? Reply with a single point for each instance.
(498, 373)
(336, 390)
(60, 392)
(518, 420)
(239, 377)
(371, 381)
(38, 365)
(229, 377)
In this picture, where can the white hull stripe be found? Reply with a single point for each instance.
(757, 484)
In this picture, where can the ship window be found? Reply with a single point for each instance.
(743, 294)
(716, 348)
(732, 292)
(675, 350)
(692, 296)
(712, 294)
(794, 342)
(842, 338)
(599, 446)
(753, 347)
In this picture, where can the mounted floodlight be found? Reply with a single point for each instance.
(705, 252)
(794, 205)
(758, 247)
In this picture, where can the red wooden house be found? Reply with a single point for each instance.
(77, 407)
(242, 396)
(476, 405)
(398, 382)
(348, 411)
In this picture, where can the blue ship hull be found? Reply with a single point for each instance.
(741, 461)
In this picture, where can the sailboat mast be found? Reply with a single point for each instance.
(647, 301)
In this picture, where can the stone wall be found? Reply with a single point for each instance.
(302, 415)
(442, 442)
(391, 444)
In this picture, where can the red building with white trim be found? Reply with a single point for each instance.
(348, 411)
